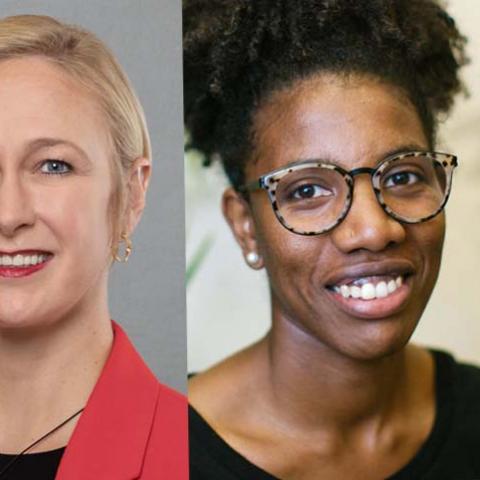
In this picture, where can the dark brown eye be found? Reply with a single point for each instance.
(310, 191)
(399, 179)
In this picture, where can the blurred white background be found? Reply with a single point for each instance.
(228, 303)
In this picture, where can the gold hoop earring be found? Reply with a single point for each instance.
(127, 250)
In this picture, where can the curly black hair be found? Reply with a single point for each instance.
(237, 52)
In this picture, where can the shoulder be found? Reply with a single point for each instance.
(463, 378)
(466, 379)
(459, 388)
(220, 393)
(155, 413)
(469, 378)
(458, 419)
(171, 414)
(219, 415)
(167, 449)
(132, 426)
(210, 456)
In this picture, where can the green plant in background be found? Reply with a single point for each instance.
(198, 257)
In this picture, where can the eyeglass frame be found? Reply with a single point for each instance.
(270, 181)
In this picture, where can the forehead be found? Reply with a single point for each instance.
(349, 121)
(39, 99)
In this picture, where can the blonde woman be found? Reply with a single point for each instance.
(76, 400)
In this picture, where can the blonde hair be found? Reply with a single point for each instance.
(88, 60)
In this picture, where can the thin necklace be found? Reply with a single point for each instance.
(17, 457)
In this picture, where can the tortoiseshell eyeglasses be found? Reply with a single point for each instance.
(313, 197)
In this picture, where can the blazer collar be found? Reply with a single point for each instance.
(110, 439)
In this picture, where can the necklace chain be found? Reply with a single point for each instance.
(14, 460)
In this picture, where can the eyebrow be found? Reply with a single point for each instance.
(46, 142)
(410, 147)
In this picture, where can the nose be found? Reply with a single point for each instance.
(16, 209)
(367, 226)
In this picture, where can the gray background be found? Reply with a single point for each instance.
(147, 295)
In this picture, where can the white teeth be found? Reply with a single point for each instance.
(381, 290)
(369, 291)
(391, 286)
(356, 291)
(22, 260)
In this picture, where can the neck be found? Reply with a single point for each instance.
(48, 373)
(318, 387)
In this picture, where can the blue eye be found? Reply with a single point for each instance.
(55, 167)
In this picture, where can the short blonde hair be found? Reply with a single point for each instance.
(89, 61)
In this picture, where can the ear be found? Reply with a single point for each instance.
(138, 181)
(238, 214)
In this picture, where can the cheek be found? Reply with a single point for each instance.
(429, 238)
(78, 217)
(275, 243)
(291, 260)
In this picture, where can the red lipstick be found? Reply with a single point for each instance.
(9, 270)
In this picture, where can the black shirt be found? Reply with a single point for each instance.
(32, 466)
(450, 452)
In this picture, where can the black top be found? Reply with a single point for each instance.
(32, 466)
(450, 452)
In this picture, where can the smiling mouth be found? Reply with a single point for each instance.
(373, 297)
(22, 260)
(370, 288)
(22, 264)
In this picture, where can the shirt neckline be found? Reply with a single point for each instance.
(46, 453)
(418, 466)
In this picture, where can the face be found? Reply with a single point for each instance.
(55, 189)
(355, 122)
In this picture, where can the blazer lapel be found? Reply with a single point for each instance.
(110, 438)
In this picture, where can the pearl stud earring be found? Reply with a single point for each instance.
(252, 259)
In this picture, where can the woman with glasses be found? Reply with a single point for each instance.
(324, 116)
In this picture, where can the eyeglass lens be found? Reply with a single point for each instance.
(313, 199)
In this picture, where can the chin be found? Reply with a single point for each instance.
(21, 321)
(22, 316)
(379, 340)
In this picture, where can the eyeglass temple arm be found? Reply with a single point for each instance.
(251, 186)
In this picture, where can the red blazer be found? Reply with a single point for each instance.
(133, 427)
